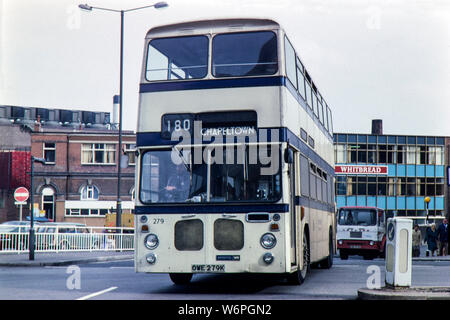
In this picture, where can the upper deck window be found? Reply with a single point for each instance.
(244, 54)
(177, 58)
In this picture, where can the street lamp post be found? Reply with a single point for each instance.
(31, 235)
(87, 7)
(427, 201)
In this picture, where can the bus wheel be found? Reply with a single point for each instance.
(343, 255)
(299, 276)
(180, 278)
(327, 263)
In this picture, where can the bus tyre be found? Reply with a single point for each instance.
(327, 263)
(180, 278)
(299, 276)
(343, 255)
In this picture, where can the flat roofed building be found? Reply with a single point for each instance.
(392, 172)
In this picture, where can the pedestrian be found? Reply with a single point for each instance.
(443, 238)
(431, 239)
(416, 241)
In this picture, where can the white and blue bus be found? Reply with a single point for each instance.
(235, 170)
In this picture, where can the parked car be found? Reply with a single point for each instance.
(66, 236)
(14, 235)
(25, 225)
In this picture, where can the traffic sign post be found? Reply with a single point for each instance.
(21, 195)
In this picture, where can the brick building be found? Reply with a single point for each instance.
(78, 183)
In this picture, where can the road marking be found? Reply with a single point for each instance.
(97, 293)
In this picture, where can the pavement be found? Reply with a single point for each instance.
(62, 258)
(409, 293)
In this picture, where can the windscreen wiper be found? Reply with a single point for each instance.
(180, 154)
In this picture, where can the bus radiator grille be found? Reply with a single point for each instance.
(189, 235)
(228, 234)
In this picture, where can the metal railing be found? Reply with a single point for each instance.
(64, 239)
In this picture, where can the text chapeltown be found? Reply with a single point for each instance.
(228, 131)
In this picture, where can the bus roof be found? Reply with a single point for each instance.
(205, 26)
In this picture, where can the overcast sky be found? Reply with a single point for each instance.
(386, 59)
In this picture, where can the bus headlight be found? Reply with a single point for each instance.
(151, 258)
(371, 243)
(151, 241)
(340, 242)
(268, 241)
(268, 258)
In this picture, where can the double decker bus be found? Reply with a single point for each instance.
(235, 170)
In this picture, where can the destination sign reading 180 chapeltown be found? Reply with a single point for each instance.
(361, 170)
(210, 124)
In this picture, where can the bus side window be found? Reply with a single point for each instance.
(312, 180)
(304, 176)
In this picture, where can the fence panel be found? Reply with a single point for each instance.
(63, 239)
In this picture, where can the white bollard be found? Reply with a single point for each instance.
(399, 252)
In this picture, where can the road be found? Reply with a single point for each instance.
(118, 281)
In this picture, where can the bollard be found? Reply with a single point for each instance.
(398, 252)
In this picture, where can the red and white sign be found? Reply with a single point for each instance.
(21, 194)
(361, 170)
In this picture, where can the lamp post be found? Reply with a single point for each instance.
(31, 235)
(427, 201)
(158, 5)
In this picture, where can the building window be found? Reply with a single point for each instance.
(351, 153)
(421, 154)
(130, 152)
(436, 155)
(410, 155)
(3, 196)
(86, 212)
(89, 193)
(381, 186)
(362, 153)
(49, 152)
(98, 153)
(371, 153)
(341, 155)
(392, 153)
(351, 185)
(401, 154)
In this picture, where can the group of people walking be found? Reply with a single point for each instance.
(437, 239)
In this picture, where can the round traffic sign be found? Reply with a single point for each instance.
(21, 194)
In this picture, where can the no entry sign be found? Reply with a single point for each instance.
(21, 194)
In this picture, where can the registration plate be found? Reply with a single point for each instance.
(355, 247)
(208, 268)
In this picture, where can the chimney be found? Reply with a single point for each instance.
(377, 126)
(37, 124)
(115, 114)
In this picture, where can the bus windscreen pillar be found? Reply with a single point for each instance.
(398, 252)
